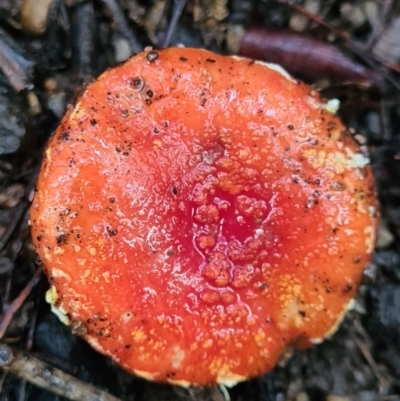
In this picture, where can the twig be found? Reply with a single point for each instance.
(383, 383)
(384, 11)
(33, 320)
(385, 121)
(83, 38)
(20, 209)
(12, 308)
(28, 347)
(362, 345)
(2, 379)
(22, 391)
(15, 65)
(122, 25)
(49, 378)
(177, 9)
(358, 49)
(316, 18)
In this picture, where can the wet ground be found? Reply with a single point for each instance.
(49, 52)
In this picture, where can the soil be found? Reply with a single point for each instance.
(43, 67)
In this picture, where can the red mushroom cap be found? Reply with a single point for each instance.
(197, 213)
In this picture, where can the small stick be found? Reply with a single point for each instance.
(385, 121)
(2, 379)
(83, 38)
(383, 382)
(122, 25)
(22, 208)
(29, 344)
(14, 64)
(356, 48)
(49, 378)
(19, 211)
(316, 18)
(22, 391)
(177, 9)
(12, 308)
(362, 345)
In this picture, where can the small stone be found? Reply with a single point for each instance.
(34, 14)
(354, 14)
(51, 84)
(34, 106)
(234, 37)
(5, 356)
(122, 50)
(369, 275)
(337, 398)
(373, 122)
(57, 103)
(371, 10)
(12, 118)
(218, 10)
(385, 236)
(302, 397)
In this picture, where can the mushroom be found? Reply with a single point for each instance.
(196, 214)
